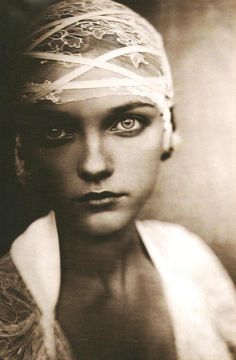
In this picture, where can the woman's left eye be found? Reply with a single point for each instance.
(129, 124)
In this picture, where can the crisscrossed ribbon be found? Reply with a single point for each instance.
(158, 88)
(89, 64)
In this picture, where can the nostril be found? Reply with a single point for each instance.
(95, 176)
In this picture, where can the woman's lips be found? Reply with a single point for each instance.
(98, 199)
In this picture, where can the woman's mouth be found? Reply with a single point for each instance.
(100, 199)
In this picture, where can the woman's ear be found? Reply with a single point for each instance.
(173, 138)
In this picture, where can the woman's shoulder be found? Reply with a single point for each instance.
(19, 316)
(14, 295)
(8, 272)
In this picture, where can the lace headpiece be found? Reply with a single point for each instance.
(77, 37)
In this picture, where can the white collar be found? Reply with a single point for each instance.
(176, 254)
(36, 255)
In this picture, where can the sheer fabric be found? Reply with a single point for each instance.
(79, 36)
(21, 335)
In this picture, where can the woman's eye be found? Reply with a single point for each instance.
(129, 125)
(56, 134)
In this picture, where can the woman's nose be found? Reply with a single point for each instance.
(96, 164)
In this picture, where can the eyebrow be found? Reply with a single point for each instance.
(42, 115)
(129, 106)
(38, 112)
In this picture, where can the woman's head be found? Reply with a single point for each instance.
(96, 99)
(118, 50)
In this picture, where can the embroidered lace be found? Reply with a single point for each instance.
(72, 39)
(21, 336)
(93, 30)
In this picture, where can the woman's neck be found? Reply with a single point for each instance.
(88, 255)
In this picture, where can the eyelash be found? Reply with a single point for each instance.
(139, 122)
(68, 134)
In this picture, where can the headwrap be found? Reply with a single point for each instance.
(77, 37)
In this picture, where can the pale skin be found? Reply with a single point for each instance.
(107, 144)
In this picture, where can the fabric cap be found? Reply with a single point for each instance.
(74, 39)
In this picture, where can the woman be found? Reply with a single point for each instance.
(86, 280)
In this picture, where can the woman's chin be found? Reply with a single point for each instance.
(103, 223)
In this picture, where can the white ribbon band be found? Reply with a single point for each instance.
(66, 22)
(89, 64)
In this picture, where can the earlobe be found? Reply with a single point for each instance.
(166, 154)
(175, 140)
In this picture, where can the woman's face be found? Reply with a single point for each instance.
(99, 158)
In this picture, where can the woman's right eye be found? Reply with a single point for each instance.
(55, 133)
(58, 133)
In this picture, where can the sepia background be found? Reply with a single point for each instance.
(197, 187)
